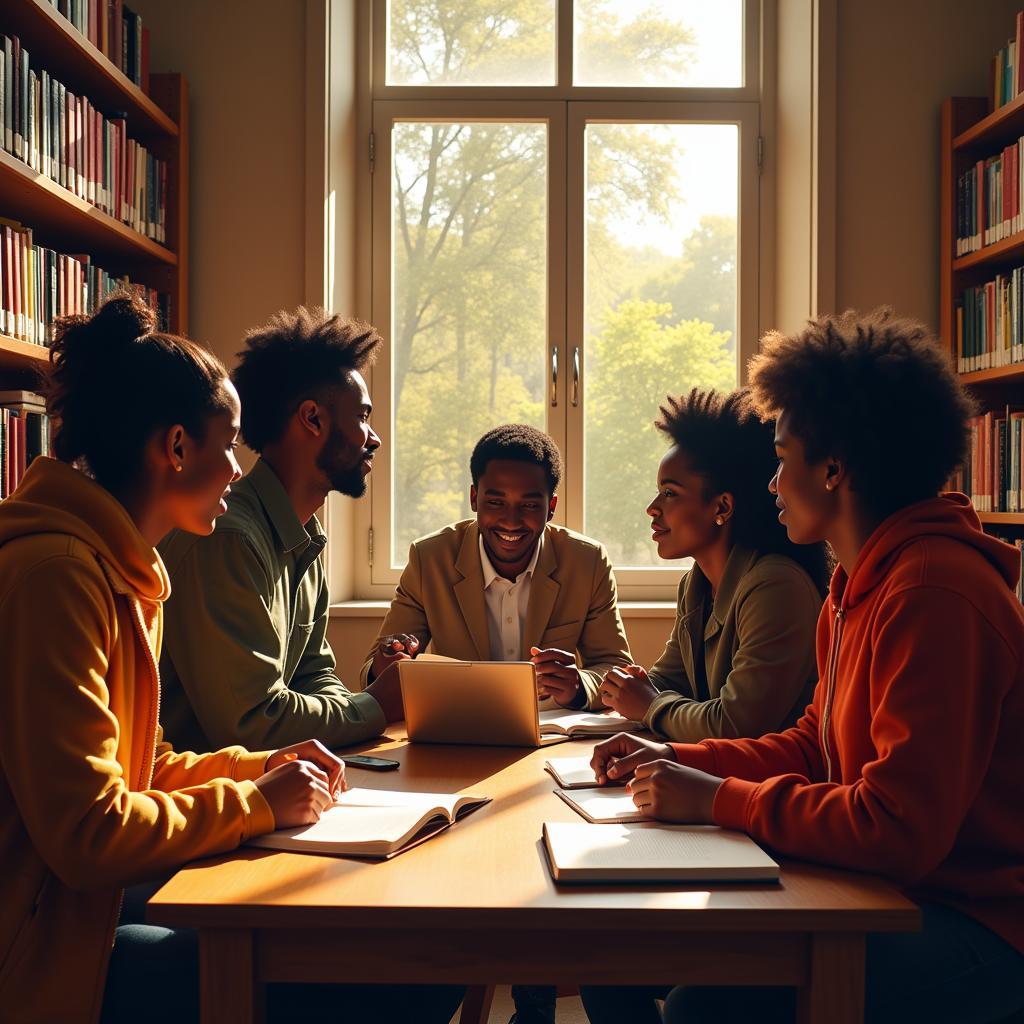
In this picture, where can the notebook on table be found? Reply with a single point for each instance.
(571, 772)
(602, 806)
(654, 853)
(374, 823)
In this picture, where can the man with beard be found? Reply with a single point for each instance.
(245, 655)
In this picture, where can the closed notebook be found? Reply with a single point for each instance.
(576, 724)
(654, 853)
(571, 772)
(374, 823)
(606, 805)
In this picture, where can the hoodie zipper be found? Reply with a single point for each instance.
(830, 688)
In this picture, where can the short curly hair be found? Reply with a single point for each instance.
(518, 442)
(874, 389)
(293, 357)
(732, 450)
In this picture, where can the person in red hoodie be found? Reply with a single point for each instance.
(909, 761)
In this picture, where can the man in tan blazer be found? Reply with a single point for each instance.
(508, 585)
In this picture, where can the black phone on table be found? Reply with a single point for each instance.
(374, 764)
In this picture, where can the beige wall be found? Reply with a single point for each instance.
(897, 61)
(244, 61)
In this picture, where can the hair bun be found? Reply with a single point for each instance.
(121, 319)
(92, 340)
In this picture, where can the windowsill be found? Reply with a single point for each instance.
(627, 609)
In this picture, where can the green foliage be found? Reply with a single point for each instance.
(637, 359)
(469, 335)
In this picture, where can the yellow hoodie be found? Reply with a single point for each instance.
(91, 799)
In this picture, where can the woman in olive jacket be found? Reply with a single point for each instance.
(740, 658)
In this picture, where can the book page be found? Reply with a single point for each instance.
(586, 723)
(572, 772)
(603, 805)
(450, 804)
(348, 829)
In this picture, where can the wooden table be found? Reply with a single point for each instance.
(477, 905)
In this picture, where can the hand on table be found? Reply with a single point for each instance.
(674, 792)
(628, 691)
(557, 674)
(386, 690)
(616, 759)
(299, 789)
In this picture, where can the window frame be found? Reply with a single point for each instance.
(566, 109)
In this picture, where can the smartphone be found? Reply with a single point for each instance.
(374, 764)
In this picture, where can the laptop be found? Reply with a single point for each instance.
(485, 703)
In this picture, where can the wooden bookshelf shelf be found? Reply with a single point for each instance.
(55, 44)
(1003, 251)
(22, 355)
(62, 220)
(1003, 374)
(1002, 518)
(1003, 125)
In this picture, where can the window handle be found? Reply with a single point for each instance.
(554, 376)
(576, 376)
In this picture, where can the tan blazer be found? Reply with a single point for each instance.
(440, 599)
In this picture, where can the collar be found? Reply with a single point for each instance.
(737, 565)
(490, 574)
(280, 510)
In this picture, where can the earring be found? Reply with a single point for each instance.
(177, 468)
(719, 520)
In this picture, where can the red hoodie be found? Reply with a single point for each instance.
(909, 761)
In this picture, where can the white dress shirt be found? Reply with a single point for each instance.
(506, 603)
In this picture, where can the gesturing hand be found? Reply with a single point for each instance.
(628, 691)
(674, 792)
(391, 649)
(557, 674)
(616, 759)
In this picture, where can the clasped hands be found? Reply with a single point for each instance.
(300, 781)
(660, 786)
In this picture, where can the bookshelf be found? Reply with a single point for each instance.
(972, 132)
(62, 221)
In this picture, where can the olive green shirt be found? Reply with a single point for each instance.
(757, 648)
(245, 655)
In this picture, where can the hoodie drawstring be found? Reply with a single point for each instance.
(830, 688)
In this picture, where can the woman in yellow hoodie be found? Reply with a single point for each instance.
(91, 799)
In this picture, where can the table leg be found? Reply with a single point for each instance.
(835, 990)
(228, 992)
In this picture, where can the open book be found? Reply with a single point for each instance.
(375, 823)
(579, 724)
(571, 772)
(654, 853)
(603, 806)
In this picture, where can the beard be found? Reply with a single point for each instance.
(342, 465)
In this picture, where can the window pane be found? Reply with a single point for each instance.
(660, 314)
(471, 42)
(469, 317)
(691, 43)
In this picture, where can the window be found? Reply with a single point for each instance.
(564, 229)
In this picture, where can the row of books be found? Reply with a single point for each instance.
(991, 476)
(988, 200)
(37, 285)
(65, 138)
(990, 323)
(24, 434)
(1018, 543)
(115, 30)
(1007, 77)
